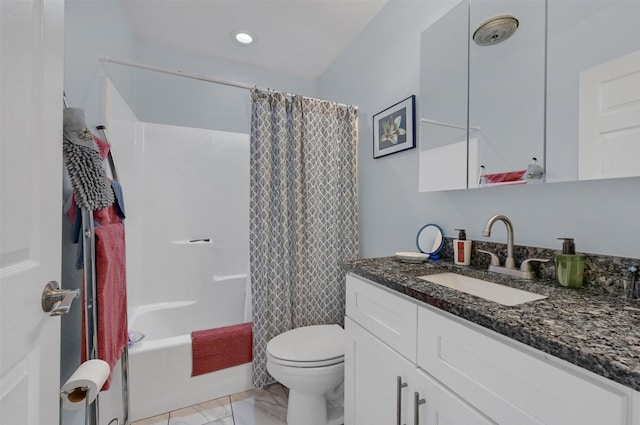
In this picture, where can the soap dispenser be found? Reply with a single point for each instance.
(569, 265)
(462, 249)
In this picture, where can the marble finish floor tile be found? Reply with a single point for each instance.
(253, 407)
(156, 420)
(260, 407)
(211, 412)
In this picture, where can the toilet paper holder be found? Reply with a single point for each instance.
(76, 394)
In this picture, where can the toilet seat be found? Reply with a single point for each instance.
(292, 363)
(308, 347)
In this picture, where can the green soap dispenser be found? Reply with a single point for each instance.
(569, 265)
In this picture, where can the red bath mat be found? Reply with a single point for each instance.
(220, 348)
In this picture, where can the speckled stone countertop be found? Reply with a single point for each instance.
(597, 332)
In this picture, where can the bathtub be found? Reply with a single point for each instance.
(160, 365)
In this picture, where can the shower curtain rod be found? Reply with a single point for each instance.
(109, 59)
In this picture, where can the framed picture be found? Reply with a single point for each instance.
(394, 129)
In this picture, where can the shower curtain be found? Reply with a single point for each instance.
(302, 215)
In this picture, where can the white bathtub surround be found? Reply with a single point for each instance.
(254, 407)
(187, 251)
(303, 214)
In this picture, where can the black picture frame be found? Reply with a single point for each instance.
(394, 129)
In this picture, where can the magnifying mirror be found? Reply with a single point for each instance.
(430, 240)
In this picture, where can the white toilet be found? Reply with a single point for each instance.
(310, 362)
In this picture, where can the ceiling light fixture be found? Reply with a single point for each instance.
(243, 37)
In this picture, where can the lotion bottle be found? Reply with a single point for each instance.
(462, 249)
(569, 265)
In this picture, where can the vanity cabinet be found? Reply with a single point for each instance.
(400, 351)
(385, 388)
(383, 385)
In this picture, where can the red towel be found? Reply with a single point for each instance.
(112, 334)
(220, 348)
(508, 176)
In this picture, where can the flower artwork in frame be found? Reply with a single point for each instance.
(394, 128)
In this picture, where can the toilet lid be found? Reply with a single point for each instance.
(308, 344)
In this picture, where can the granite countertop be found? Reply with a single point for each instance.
(597, 332)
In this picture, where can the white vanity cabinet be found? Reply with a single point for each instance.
(382, 387)
(382, 383)
(400, 351)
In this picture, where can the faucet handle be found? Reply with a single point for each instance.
(526, 264)
(495, 260)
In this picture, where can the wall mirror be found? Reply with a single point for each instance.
(564, 88)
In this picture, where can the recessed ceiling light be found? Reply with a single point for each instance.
(243, 37)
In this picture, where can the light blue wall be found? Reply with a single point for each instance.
(380, 68)
(93, 28)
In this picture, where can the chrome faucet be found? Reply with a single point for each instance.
(509, 268)
(509, 263)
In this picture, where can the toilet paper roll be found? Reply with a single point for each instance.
(85, 384)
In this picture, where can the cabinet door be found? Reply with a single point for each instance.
(371, 371)
(437, 405)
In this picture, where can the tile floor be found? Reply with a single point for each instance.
(253, 407)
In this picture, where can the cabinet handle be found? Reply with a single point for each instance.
(417, 401)
(399, 387)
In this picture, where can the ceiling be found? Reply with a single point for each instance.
(299, 37)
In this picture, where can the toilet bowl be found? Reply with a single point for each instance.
(310, 362)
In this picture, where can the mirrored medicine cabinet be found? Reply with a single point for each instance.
(548, 92)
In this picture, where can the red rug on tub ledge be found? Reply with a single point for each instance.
(220, 348)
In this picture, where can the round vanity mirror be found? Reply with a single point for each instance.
(430, 240)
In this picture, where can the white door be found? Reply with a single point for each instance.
(609, 133)
(31, 58)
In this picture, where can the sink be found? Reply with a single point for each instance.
(490, 291)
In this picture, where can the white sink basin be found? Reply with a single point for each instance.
(501, 294)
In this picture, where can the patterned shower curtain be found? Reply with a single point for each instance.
(303, 214)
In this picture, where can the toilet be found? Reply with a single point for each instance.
(310, 362)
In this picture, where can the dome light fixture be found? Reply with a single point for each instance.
(243, 37)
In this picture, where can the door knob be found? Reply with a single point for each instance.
(56, 301)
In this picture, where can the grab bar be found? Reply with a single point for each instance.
(200, 241)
